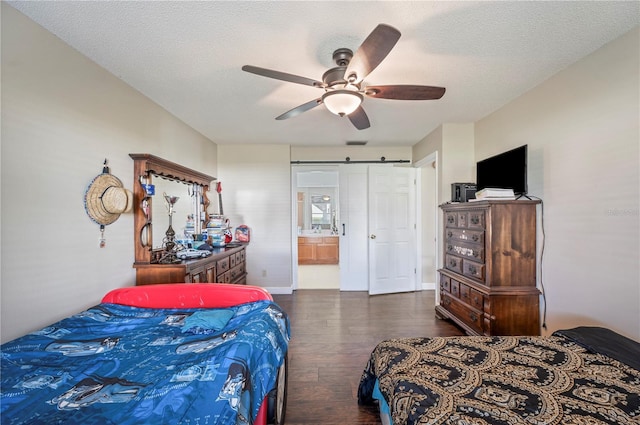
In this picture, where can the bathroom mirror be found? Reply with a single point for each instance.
(317, 208)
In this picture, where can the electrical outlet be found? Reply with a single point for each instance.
(264, 273)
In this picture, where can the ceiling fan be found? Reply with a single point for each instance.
(343, 85)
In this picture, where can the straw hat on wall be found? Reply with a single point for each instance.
(106, 198)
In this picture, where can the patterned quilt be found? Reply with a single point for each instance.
(114, 364)
(502, 380)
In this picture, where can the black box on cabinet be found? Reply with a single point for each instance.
(463, 192)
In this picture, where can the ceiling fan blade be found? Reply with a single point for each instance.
(405, 92)
(371, 52)
(359, 119)
(300, 109)
(282, 76)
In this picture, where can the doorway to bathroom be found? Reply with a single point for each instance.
(317, 216)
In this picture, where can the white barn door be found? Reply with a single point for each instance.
(354, 256)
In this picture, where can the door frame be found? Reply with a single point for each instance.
(295, 168)
(428, 161)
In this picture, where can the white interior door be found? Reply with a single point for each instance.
(392, 229)
(352, 228)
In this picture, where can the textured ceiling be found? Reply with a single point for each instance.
(187, 57)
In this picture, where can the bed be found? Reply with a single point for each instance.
(192, 354)
(580, 376)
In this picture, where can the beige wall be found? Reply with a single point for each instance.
(454, 144)
(582, 131)
(62, 115)
(256, 191)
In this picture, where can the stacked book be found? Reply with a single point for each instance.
(494, 193)
(217, 229)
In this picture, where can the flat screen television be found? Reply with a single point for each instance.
(507, 170)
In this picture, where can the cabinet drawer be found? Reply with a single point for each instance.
(465, 293)
(224, 277)
(462, 219)
(445, 284)
(232, 261)
(469, 316)
(453, 263)
(476, 299)
(451, 219)
(210, 272)
(238, 256)
(197, 275)
(455, 288)
(476, 220)
(311, 240)
(223, 265)
(474, 252)
(472, 269)
(463, 235)
(236, 272)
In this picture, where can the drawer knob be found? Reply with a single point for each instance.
(473, 317)
(475, 238)
(449, 234)
(475, 219)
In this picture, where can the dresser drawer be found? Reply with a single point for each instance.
(224, 277)
(453, 263)
(455, 288)
(469, 316)
(445, 284)
(236, 272)
(474, 252)
(465, 292)
(476, 220)
(464, 235)
(451, 219)
(462, 219)
(232, 261)
(473, 269)
(476, 299)
(223, 265)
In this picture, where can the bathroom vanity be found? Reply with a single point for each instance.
(318, 248)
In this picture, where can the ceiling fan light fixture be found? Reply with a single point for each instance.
(342, 102)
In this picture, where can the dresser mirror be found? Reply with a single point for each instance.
(151, 213)
(185, 206)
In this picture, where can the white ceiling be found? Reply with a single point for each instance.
(187, 57)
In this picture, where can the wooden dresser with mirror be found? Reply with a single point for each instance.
(224, 265)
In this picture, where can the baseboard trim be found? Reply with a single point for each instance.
(428, 286)
(279, 290)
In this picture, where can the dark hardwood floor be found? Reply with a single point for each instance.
(333, 334)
